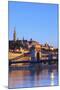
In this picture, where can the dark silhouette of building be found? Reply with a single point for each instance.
(14, 35)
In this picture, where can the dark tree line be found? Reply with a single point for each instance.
(17, 45)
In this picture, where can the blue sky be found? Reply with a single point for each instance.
(34, 20)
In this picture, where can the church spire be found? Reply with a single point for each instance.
(14, 34)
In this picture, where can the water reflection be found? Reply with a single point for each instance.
(33, 76)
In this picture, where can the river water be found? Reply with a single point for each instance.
(33, 76)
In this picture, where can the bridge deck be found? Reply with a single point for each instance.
(32, 61)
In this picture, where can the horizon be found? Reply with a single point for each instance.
(31, 19)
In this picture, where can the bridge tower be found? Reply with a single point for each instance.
(33, 53)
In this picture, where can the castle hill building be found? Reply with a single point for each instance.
(31, 46)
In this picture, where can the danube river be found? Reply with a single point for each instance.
(33, 76)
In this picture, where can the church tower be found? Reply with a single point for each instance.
(14, 35)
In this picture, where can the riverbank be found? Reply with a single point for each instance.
(17, 56)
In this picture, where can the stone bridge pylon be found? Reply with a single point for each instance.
(35, 53)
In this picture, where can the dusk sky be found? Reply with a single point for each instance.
(34, 20)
